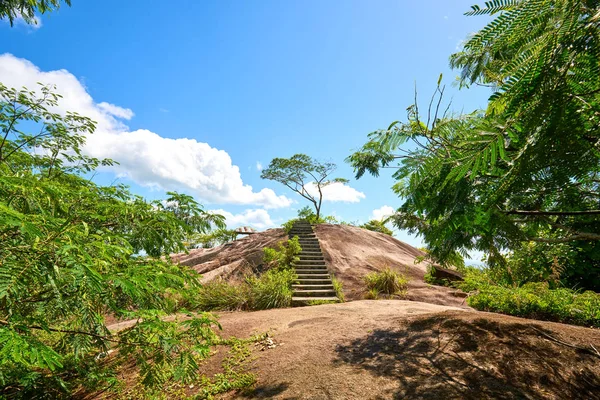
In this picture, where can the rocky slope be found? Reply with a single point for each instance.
(350, 253)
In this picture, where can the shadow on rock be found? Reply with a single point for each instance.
(452, 358)
(266, 391)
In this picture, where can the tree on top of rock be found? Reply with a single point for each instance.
(303, 175)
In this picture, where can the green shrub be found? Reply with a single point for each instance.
(538, 301)
(338, 287)
(273, 289)
(475, 279)
(429, 278)
(222, 296)
(284, 256)
(372, 294)
(377, 226)
(305, 214)
(287, 226)
(386, 282)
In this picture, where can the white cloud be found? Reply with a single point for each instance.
(144, 156)
(337, 192)
(259, 218)
(116, 111)
(259, 166)
(382, 213)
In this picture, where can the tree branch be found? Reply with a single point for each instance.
(523, 212)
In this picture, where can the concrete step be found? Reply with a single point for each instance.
(301, 231)
(311, 266)
(314, 293)
(301, 263)
(310, 245)
(312, 272)
(313, 281)
(305, 301)
(324, 286)
(304, 257)
(303, 276)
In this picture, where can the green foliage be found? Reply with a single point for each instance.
(308, 215)
(273, 289)
(71, 254)
(284, 256)
(212, 239)
(339, 288)
(386, 282)
(288, 225)
(527, 169)
(26, 9)
(372, 294)
(377, 226)
(235, 375)
(220, 295)
(303, 175)
(430, 278)
(538, 301)
(321, 302)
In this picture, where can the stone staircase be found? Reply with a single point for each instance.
(314, 282)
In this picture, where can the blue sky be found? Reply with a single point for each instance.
(244, 81)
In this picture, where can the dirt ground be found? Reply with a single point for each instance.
(392, 349)
(433, 347)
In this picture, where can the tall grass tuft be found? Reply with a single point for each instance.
(273, 289)
(222, 296)
(386, 282)
(338, 287)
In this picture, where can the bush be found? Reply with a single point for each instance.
(377, 226)
(538, 301)
(386, 282)
(222, 296)
(284, 256)
(338, 287)
(272, 290)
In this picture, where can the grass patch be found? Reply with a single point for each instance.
(321, 302)
(222, 296)
(273, 289)
(538, 301)
(339, 289)
(235, 376)
(385, 283)
(372, 294)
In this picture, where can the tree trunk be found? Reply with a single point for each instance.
(318, 207)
